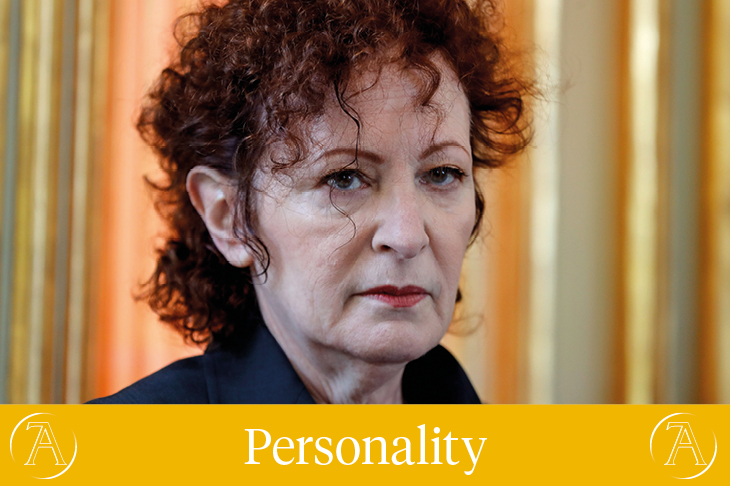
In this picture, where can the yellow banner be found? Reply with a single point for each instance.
(369, 445)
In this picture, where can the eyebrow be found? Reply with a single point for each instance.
(442, 145)
(360, 153)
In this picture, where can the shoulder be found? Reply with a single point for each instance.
(249, 368)
(437, 377)
(180, 382)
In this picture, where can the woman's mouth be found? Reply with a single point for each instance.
(397, 297)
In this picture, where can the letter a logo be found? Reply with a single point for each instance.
(44, 440)
(42, 446)
(677, 444)
(685, 440)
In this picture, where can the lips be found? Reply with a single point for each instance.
(407, 296)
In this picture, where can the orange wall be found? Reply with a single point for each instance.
(130, 343)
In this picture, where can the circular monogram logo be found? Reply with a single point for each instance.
(683, 445)
(43, 445)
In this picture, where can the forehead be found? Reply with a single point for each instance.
(392, 98)
(387, 104)
(396, 82)
(382, 111)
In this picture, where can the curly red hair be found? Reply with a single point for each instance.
(250, 71)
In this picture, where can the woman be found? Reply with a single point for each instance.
(321, 196)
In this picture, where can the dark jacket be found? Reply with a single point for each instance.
(253, 368)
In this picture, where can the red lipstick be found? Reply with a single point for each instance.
(397, 297)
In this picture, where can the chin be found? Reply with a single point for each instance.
(395, 342)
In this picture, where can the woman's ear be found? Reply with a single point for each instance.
(213, 196)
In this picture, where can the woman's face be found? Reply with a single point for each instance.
(366, 256)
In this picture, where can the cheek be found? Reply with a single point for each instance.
(452, 237)
(309, 254)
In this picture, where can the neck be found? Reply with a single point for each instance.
(364, 384)
(331, 377)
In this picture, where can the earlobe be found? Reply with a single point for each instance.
(213, 196)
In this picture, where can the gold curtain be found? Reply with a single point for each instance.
(656, 326)
(63, 191)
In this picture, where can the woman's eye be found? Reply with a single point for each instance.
(443, 176)
(346, 180)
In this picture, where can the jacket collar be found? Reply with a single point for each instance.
(252, 369)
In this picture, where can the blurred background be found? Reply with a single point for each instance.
(602, 274)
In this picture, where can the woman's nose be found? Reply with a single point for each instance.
(401, 226)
